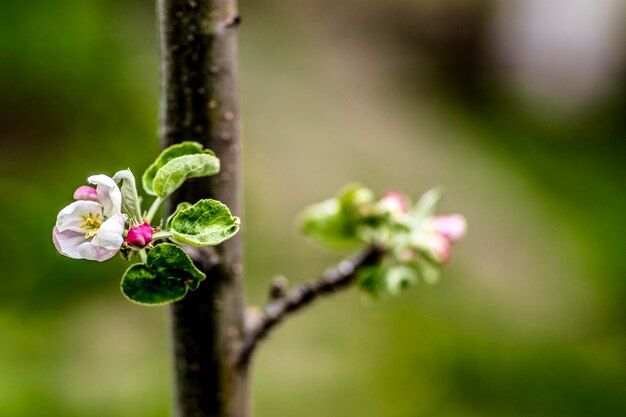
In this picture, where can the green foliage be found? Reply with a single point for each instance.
(165, 277)
(178, 170)
(336, 222)
(175, 172)
(143, 286)
(206, 223)
(426, 206)
(181, 206)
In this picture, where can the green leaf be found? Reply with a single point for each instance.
(324, 222)
(427, 204)
(399, 277)
(339, 222)
(206, 223)
(131, 204)
(174, 151)
(181, 206)
(355, 201)
(175, 172)
(143, 286)
(428, 271)
(165, 278)
(370, 280)
(170, 261)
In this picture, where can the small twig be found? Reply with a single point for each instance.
(280, 307)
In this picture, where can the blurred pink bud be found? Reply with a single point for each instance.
(453, 227)
(440, 248)
(395, 202)
(139, 235)
(86, 192)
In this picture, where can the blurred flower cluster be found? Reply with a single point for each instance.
(415, 240)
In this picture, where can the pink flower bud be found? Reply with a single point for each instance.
(439, 247)
(86, 192)
(452, 227)
(395, 202)
(139, 235)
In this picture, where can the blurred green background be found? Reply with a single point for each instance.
(516, 108)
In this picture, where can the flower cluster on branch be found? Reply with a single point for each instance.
(411, 241)
(109, 219)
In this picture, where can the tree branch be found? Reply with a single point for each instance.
(260, 323)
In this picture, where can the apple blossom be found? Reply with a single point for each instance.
(437, 235)
(394, 203)
(452, 226)
(93, 226)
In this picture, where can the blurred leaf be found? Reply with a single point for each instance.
(324, 223)
(427, 204)
(399, 277)
(370, 280)
(336, 222)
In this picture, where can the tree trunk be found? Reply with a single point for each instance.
(199, 102)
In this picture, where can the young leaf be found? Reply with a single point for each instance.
(165, 277)
(399, 277)
(324, 222)
(338, 222)
(141, 285)
(206, 223)
(181, 206)
(171, 176)
(130, 200)
(168, 260)
(427, 204)
(355, 200)
(370, 280)
(174, 151)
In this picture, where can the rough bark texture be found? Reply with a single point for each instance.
(199, 102)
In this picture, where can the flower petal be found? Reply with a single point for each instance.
(453, 226)
(67, 242)
(109, 194)
(110, 234)
(436, 245)
(95, 253)
(106, 244)
(72, 216)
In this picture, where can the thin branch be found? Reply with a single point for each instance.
(340, 277)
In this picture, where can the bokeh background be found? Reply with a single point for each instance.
(515, 107)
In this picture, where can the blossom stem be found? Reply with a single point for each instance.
(143, 256)
(161, 235)
(153, 209)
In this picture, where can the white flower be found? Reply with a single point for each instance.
(93, 226)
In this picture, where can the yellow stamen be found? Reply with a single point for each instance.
(92, 224)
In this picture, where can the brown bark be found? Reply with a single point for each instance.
(199, 102)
